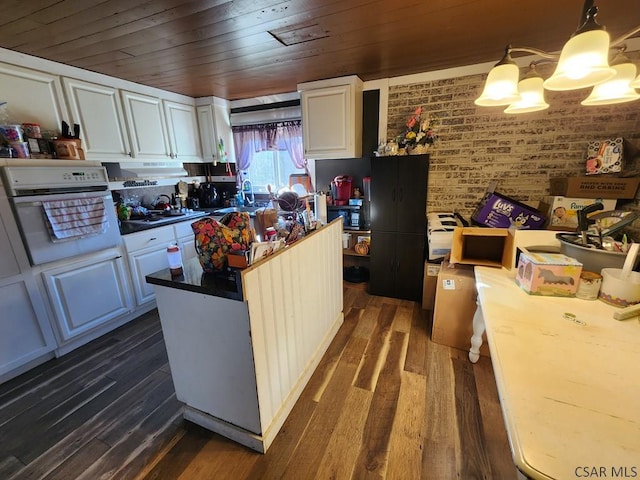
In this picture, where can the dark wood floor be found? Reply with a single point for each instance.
(385, 402)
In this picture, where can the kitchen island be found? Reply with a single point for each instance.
(243, 346)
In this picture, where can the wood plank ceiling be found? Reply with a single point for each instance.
(238, 49)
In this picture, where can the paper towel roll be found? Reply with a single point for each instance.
(320, 201)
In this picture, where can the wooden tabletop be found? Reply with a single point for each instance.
(568, 376)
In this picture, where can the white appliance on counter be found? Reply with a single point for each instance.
(84, 271)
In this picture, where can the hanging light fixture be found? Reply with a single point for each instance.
(583, 62)
(531, 94)
(617, 89)
(501, 87)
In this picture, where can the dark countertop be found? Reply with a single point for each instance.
(227, 285)
(130, 227)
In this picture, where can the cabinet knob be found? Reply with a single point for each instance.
(130, 154)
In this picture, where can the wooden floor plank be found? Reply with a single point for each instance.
(308, 454)
(80, 461)
(439, 456)
(475, 462)
(494, 432)
(344, 446)
(376, 349)
(408, 436)
(417, 351)
(59, 452)
(374, 450)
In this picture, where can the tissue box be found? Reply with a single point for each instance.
(550, 274)
(563, 211)
(499, 211)
(605, 156)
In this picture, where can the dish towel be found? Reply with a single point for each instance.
(77, 217)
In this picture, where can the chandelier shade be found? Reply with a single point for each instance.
(616, 90)
(584, 62)
(501, 87)
(531, 96)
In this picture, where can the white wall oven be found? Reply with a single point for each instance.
(62, 212)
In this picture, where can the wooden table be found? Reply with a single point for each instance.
(568, 376)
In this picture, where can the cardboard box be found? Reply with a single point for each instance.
(429, 283)
(455, 306)
(563, 211)
(499, 211)
(550, 274)
(595, 187)
(491, 247)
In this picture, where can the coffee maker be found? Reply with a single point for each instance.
(214, 194)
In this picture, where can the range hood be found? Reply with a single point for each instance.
(133, 170)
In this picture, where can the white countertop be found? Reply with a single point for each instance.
(570, 390)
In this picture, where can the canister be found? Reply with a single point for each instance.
(589, 285)
(175, 259)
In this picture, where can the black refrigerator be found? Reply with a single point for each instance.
(398, 225)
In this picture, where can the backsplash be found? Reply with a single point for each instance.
(479, 145)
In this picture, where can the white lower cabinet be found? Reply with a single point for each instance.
(89, 293)
(26, 333)
(147, 253)
(185, 238)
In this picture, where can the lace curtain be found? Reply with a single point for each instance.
(250, 139)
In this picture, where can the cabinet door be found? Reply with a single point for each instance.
(397, 265)
(25, 331)
(182, 126)
(87, 294)
(325, 122)
(143, 263)
(222, 122)
(9, 265)
(409, 266)
(412, 194)
(146, 125)
(382, 264)
(208, 133)
(384, 194)
(187, 248)
(98, 111)
(34, 97)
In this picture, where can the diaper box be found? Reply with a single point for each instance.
(550, 274)
(563, 211)
(499, 211)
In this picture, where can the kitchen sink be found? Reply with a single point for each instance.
(224, 211)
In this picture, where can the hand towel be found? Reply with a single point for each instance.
(76, 217)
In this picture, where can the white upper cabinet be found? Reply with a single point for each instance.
(207, 133)
(32, 97)
(215, 126)
(182, 126)
(332, 118)
(98, 111)
(147, 127)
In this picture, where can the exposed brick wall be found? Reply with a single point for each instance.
(521, 152)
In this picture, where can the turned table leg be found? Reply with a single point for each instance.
(476, 338)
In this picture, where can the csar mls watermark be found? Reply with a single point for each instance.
(606, 472)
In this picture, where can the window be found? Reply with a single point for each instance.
(270, 167)
(268, 153)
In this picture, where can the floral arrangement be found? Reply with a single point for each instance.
(419, 131)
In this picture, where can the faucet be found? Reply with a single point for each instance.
(247, 190)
